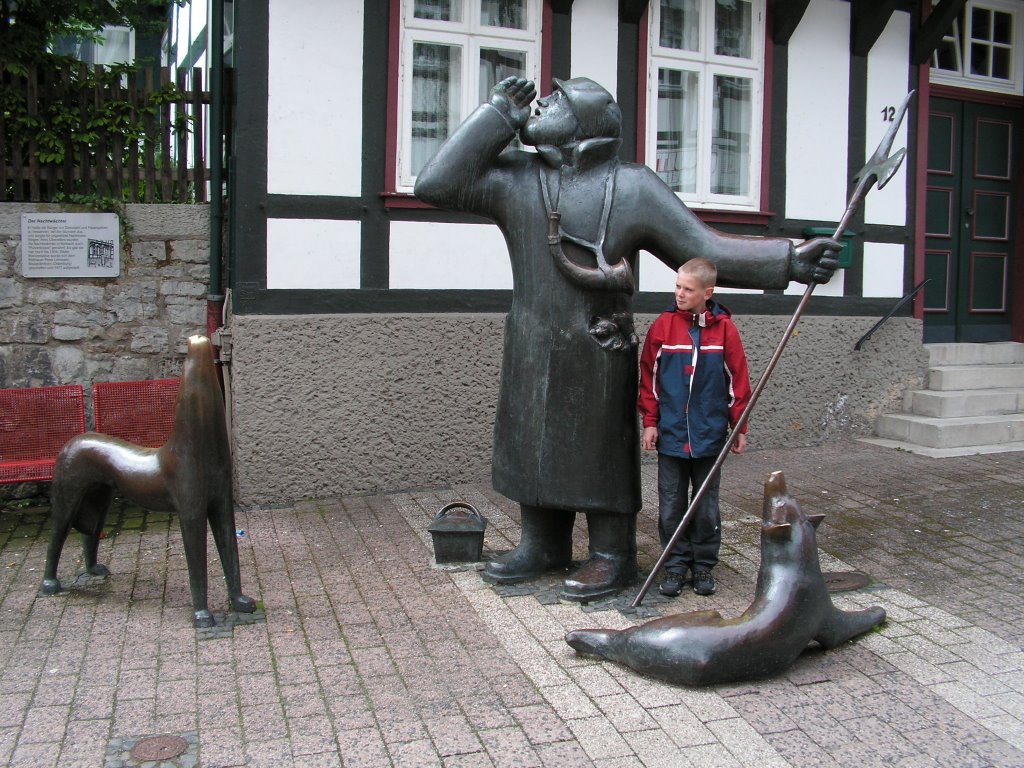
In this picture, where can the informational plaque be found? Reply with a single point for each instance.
(70, 245)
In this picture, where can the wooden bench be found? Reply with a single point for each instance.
(141, 412)
(35, 423)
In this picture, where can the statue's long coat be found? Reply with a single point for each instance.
(565, 434)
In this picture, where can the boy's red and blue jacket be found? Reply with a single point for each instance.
(694, 382)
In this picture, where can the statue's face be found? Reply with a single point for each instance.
(552, 122)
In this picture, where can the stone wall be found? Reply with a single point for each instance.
(329, 405)
(83, 330)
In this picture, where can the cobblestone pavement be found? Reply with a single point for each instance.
(367, 654)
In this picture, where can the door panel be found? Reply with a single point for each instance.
(969, 228)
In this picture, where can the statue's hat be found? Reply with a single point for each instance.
(595, 109)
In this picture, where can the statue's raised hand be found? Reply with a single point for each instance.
(815, 260)
(513, 97)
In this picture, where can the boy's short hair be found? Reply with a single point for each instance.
(701, 268)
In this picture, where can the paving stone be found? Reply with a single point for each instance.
(744, 743)
(509, 747)
(453, 735)
(599, 741)
(473, 760)
(799, 750)
(414, 754)
(625, 713)
(563, 754)
(362, 747)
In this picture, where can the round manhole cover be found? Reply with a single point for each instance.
(159, 748)
(845, 581)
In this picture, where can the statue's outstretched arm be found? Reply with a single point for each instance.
(674, 234)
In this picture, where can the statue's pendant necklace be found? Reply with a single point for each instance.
(606, 277)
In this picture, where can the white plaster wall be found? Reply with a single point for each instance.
(833, 287)
(888, 77)
(595, 43)
(817, 121)
(883, 270)
(454, 256)
(314, 121)
(656, 277)
(312, 253)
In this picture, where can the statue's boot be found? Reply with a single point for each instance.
(544, 544)
(612, 564)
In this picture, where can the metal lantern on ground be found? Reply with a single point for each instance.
(458, 533)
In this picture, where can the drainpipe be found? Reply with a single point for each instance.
(215, 297)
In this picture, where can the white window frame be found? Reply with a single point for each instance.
(963, 79)
(708, 65)
(96, 47)
(471, 35)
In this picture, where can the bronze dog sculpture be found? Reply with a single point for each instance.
(190, 474)
(791, 608)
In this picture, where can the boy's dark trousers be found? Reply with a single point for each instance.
(698, 546)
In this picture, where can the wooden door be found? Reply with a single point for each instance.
(969, 229)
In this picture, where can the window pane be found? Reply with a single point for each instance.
(730, 141)
(116, 46)
(677, 129)
(732, 28)
(981, 20)
(680, 25)
(1001, 63)
(510, 14)
(436, 94)
(979, 59)
(947, 57)
(1002, 28)
(496, 65)
(438, 10)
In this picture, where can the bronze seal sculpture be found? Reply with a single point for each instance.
(190, 475)
(791, 608)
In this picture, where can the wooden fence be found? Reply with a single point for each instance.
(137, 138)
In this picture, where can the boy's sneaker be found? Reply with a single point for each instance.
(703, 583)
(673, 584)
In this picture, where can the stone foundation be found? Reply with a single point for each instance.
(327, 405)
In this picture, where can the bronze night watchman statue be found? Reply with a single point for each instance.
(574, 218)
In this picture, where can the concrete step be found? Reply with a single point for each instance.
(975, 354)
(959, 432)
(964, 402)
(945, 378)
(942, 453)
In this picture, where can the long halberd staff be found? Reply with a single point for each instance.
(880, 167)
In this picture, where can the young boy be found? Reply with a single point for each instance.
(693, 388)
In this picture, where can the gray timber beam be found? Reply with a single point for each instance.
(630, 11)
(934, 28)
(867, 21)
(786, 16)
